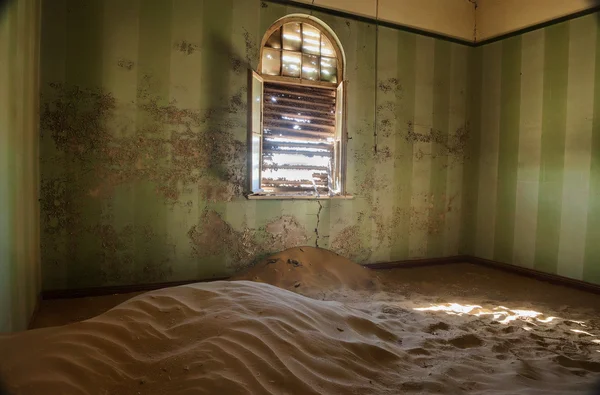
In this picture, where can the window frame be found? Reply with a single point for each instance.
(340, 85)
(339, 55)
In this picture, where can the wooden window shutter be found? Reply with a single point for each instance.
(255, 129)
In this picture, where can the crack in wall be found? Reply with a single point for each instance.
(318, 221)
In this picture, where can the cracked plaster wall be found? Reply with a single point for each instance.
(143, 144)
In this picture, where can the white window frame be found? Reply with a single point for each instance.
(256, 82)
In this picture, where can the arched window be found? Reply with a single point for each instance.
(296, 107)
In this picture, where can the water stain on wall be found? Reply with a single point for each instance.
(126, 64)
(453, 144)
(186, 47)
(252, 49)
(390, 85)
(213, 236)
(349, 242)
(187, 153)
(54, 209)
(99, 150)
(75, 119)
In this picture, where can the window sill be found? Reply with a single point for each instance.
(299, 197)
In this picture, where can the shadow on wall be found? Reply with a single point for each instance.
(3, 6)
(98, 146)
(221, 106)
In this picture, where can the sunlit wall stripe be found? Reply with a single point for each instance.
(577, 147)
(554, 119)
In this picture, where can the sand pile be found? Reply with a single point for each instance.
(309, 270)
(250, 337)
(223, 337)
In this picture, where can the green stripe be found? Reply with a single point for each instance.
(7, 180)
(439, 153)
(154, 61)
(591, 270)
(554, 118)
(471, 164)
(83, 69)
(508, 156)
(363, 116)
(216, 80)
(360, 117)
(84, 43)
(403, 158)
(383, 199)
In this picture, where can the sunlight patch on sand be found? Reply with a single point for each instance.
(502, 314)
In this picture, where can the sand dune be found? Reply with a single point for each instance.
(244, 337)
(310, 271)
(222, 337)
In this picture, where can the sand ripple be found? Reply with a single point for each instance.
(248, 337)
(223, 337)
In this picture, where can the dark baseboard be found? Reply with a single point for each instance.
(117, 289)
(523, 271)
(538, 275)
(532, 273)
(417, 262)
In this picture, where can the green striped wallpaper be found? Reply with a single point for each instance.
(532, 182)
(143, 143)
(19, 171)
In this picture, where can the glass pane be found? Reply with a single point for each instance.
(255, 162)
(327, 48)
(257, 98)
(291, 64)
(328, 69)
(275, 40)
(292, 40)
(310, 67)
(311, 40)
(271, 61)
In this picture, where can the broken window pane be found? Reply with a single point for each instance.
(328, 69)
(271, 62)
(292, 37)
(291, 64)
(310, 67)
(311, 40)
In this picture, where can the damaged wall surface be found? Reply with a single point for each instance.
(143, 138)
(533, 194)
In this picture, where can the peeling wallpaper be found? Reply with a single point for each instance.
(533, 192)
(19, 209)
(143, 144)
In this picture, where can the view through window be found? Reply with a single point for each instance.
(297, 112)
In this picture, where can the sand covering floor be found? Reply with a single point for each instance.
(308, 322)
